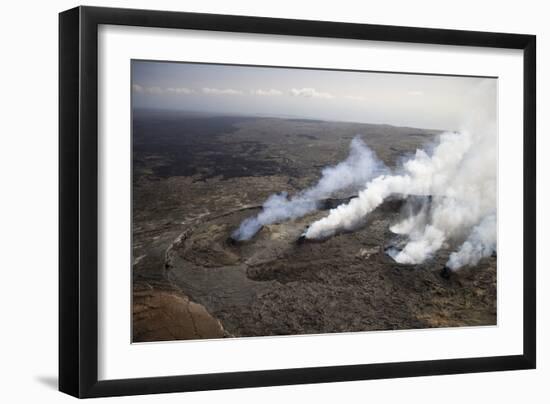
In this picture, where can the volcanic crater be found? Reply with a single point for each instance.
(272, 285)
(196, 178)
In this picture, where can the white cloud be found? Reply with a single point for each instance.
(154, 90)
(158, 90)
(149, 90)
(309, 93)
(219, 91)
(180, 90)
(270, 93)
(355, 97)
(415, 92)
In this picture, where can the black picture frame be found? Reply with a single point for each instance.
(78, 201)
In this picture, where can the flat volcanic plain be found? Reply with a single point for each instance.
(197, 176)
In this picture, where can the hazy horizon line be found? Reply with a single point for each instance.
(283, 117)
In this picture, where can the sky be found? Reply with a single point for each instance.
(422, 101)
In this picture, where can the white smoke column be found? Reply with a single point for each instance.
(360, 166)
(412, 221)
(480, 243)
(460, 174)
(422, 175)
(421, 246)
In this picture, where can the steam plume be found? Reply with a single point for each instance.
(460, 175)
(481, 243)
(360, 166)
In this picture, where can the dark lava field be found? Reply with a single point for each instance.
(196, 177)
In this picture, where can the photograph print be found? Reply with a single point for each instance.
(278, 201)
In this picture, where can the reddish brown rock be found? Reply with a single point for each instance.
(163, 315)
